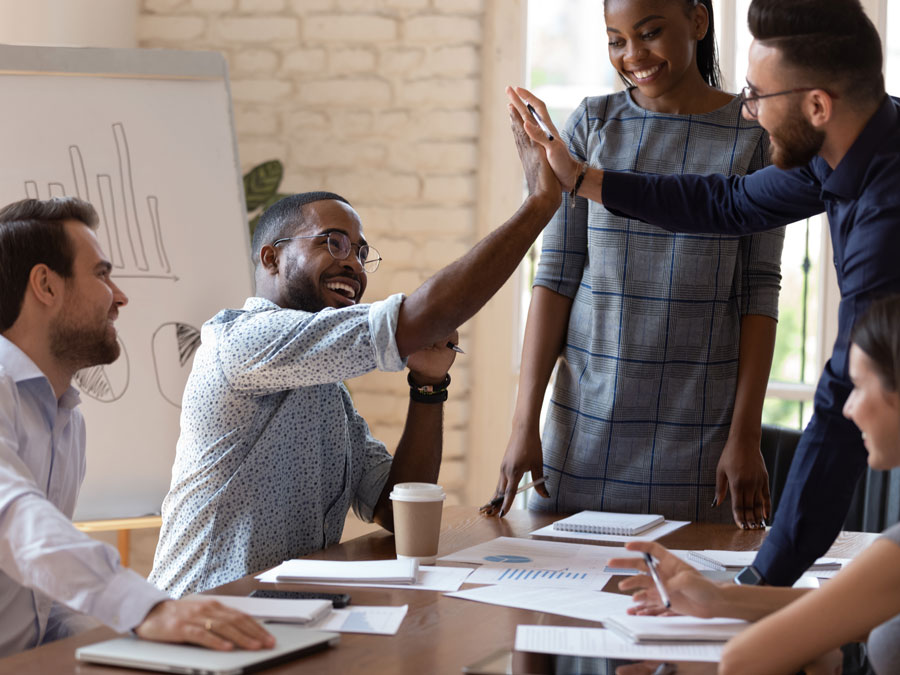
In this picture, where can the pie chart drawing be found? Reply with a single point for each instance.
(106, 383)
(173, 347)
(507, 558)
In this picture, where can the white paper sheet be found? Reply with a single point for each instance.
(395, 571)
(589, 606)
(384, 620)
(667, 527)
(428, 579)
(599, 642)
(537, 554)
(585, 579)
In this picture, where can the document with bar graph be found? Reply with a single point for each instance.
(588, 579)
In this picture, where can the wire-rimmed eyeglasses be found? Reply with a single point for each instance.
(750, 100)
(340, 246)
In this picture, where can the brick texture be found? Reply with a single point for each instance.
(377, 100)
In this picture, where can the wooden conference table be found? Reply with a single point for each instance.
(439, 634)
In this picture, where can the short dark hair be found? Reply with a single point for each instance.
(877, 333)
(285, 213)
(32, 233)
(833, 42)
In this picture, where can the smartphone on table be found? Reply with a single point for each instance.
(338, 600)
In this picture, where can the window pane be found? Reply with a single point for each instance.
(794, 359)
(784, 413)
(567, 56)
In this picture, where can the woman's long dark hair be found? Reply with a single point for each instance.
(877, 333)
(707, 54)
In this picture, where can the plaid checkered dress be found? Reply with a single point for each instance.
(644, 390)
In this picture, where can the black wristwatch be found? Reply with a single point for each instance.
(749, 576)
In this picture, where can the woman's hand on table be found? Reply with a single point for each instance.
(689, 591)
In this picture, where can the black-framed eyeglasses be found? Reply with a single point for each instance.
(340, 246)
(751, 101)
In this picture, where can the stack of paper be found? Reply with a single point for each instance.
(332, 571)
(600, 642)
(276, 609)
(652, 629)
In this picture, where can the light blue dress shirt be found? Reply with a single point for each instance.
(44, 560)
(272, 453)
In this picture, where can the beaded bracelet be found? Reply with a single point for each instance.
(579, 180)
(428, 393)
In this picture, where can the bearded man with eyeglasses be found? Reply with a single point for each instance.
(272, 452)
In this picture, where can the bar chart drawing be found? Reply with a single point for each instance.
(518, 574)
(132, 237)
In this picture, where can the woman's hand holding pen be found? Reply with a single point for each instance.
(689, 591)
(563, 164)
(523, 454)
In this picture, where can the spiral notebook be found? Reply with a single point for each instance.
(606, 522)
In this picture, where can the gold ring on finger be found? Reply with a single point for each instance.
(208, 625)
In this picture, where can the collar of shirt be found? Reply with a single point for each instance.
(20, 368)
(258, 304)
(847, 179)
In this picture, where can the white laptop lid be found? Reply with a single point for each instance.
(130, 652)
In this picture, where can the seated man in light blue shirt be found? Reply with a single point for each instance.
(272, 452)
(58, 306)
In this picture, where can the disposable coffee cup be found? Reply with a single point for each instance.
(417, 520)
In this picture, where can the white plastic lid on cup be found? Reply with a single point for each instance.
(417, 492)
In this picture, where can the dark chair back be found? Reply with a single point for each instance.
(876, 501)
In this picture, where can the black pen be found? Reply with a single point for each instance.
(454, 347)
(537, 118)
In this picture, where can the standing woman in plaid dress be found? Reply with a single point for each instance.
(664, 342)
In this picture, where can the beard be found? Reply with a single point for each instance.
(303, 293)
(80, 344)
(795, 142)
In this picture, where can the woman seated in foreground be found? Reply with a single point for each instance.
(795, 626)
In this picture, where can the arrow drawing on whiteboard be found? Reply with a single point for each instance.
(134, 243)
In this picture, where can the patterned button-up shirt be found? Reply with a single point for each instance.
(272, 452)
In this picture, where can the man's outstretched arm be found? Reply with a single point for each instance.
(718, 204)
(455, 293)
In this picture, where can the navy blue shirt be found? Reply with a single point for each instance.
(862, 199)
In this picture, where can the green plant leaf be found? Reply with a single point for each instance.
(261, 183)
(278, 196)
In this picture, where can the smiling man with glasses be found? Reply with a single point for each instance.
(834, 149)
(272, 452)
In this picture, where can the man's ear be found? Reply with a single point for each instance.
(819, 108)
(268, 258)
(46, 285)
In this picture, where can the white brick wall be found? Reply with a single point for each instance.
(377, 100)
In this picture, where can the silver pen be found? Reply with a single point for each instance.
(657, 581)
(541, 124)
(498, 500)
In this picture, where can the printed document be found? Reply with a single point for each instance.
(600, 642)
